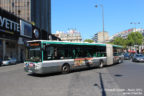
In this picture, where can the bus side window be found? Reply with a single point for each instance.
(94, 54)
(49, 53)
(102, 54)
(60, 53)
(74, 53)
(88, 54)
(98, 54)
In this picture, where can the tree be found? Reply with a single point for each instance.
(88, 40)
(119, 41)
(135, 38)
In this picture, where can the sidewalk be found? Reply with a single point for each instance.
(11, 67)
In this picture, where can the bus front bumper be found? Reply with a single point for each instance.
(33, 70)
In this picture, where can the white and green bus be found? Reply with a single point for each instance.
(43, 56)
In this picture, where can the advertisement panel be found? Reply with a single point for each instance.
(26, 29)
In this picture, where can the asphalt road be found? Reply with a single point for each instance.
(108, 81)
(129, 76)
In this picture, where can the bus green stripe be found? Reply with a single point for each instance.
(72, 43)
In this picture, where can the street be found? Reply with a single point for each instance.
(124, 79)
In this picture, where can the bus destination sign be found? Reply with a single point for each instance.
(34, 44)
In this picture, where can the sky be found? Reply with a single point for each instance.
(83, 16)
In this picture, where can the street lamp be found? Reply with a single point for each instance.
(102, 19)
(136, 46)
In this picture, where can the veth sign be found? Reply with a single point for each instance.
(9, 24)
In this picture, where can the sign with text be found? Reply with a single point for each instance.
(9, 25)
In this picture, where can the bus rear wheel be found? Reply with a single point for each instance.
(120, 61)
(65, 69)
(101, 64)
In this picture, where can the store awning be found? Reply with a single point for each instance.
(132, 51)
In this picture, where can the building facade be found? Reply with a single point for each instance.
(125, 33)
(101, 37)
(36, 11)
(72, 35)
(20, 8)
(41, 14)
(16, 17)
(14, 34)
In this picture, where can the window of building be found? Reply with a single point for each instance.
(19, 12)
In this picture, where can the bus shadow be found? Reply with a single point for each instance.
(45, 75)
(115, 64)
(82, 69)
(72, 71)
(59, 73)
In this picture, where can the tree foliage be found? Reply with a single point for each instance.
(120, 41)
(88, 40)
(134, 38)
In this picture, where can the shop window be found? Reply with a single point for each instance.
(10, 45)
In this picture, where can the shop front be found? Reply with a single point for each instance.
(8, 48)
(10, 32)
(14, 34)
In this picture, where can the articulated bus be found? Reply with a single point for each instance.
(43, 56)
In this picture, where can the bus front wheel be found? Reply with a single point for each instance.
(65, 69)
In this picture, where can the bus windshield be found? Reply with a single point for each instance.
(33, 54)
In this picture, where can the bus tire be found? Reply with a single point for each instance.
(65, 69)
(120, 60)
(101, 64)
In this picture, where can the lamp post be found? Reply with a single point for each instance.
(136, 46)
(102, 19)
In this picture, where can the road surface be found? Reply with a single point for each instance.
(119, 80)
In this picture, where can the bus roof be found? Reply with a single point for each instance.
(117, 46)
(71, 43)
(67, 42)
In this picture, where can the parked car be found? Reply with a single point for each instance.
(9, 61)
(127, 56)
(132, 55)
(138, 58)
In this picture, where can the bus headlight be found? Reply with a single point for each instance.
(37, 66)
